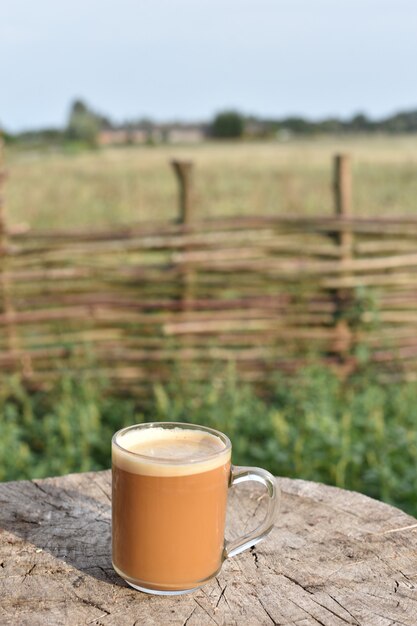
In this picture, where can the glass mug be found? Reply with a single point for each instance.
(169, 493)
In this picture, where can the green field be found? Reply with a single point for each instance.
(357, 434)
(122, 185)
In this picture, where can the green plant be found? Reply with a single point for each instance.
(357, 434)
(67, 429)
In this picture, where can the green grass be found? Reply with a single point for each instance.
(360, 436)
(122, 185)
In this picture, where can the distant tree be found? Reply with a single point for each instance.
(83, 123)
(360, 123)
(145, 123)
(5, 137)
(298, 125)
(403, 122)
(227, 125)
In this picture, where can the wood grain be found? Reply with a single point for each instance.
(334, 558)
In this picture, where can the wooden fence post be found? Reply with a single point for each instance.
(344, 237)
(343, 200)
(184, 172)
(6, 300)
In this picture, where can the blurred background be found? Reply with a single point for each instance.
(208, 214)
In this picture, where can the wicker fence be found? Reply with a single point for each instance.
(264, 293)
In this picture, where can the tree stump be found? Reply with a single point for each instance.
(334, 558)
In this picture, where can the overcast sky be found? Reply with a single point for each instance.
(187, 59)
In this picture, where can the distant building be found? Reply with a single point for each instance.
(256, 128)
(152, 133)
(138, 135)
(112, 137)
(183, 133)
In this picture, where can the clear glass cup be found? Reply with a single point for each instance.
(168, 515)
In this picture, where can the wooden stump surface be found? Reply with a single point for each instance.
(334, 558)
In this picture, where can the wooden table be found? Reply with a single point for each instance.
(334, 558)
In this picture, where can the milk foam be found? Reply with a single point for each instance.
(160, 451)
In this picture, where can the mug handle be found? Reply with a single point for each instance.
(242, 475)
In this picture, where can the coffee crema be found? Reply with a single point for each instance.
(168, 451)
(169, 506)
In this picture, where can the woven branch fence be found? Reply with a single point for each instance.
(262, 293)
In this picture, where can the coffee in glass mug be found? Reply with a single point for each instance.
(169, 496)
